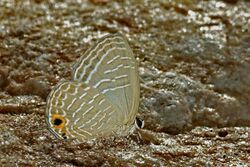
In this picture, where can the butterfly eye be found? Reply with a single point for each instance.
(139, 122)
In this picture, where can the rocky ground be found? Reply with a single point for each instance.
(194, 65)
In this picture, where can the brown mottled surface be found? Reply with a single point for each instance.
(194, 61)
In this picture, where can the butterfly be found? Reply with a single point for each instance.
(102, 97)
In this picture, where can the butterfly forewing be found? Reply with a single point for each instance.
(110, 67)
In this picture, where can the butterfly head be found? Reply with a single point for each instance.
(139, 123)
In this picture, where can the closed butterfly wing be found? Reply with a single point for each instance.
(76, 110)
(110, 67)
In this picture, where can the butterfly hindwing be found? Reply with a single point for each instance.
(84, 111)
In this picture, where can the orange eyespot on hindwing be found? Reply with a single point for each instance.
(58, 121)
